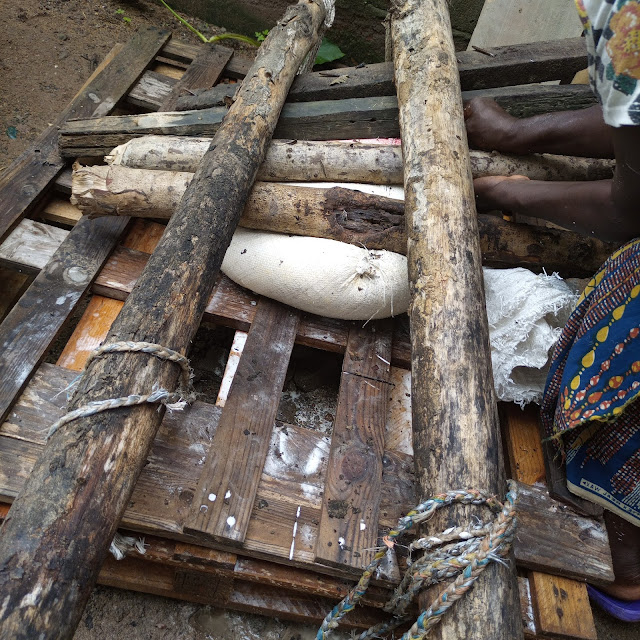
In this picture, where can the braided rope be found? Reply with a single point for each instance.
(466, 559)
(173, 401)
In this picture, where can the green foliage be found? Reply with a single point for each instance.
(222, 36)
(125, 19)
(328, 52)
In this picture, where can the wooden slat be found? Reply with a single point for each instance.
(223, 501)
(293, 476)
(203, 72)
(89, 332)
(27, 178)
(561, 608)
(184, 52)
(31, 245)
(499, 66)
(321, 120)
(527, 465)
(60, 210)
(32, 325)
(349, 522)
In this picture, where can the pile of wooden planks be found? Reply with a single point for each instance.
(351, 486)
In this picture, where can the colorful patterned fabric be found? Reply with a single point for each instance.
(612, 29)
(590, 405)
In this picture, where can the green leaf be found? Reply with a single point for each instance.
(328, 52)
(261, 35)
(119, 11)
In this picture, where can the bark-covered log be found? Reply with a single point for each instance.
(59, 528)
(456, 436)
(336, 213)
(345, 161)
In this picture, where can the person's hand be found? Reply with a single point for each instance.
(495, 192)
(489, 126)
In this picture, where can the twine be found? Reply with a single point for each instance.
(173, 401)
(467, 551)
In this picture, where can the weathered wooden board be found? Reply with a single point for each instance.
(321, 120)
(524, 450)
(293, 476)
(31, 245)
(561, 607)
(203, 72)
(28, 177)
(228, 484)
(499, 66)
(31, 326)
(351, 500)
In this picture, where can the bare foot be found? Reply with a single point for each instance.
(487, 191)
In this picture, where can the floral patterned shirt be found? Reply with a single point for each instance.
(612, 29)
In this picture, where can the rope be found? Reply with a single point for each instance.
(467, 551)
(173, 401)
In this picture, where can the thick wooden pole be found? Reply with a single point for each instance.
(345, 161)
(339, 214)
(455, 420)
(58, 530)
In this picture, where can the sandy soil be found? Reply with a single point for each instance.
(48, 49)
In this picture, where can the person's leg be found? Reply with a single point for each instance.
(624, 540)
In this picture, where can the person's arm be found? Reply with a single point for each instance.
(576, 133)
(607, 209)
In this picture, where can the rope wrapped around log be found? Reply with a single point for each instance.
(475, 548)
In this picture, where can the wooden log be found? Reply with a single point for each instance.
(456, 437)
(348, 161)
(28, 177)
(70, 506)
(339, 214)
(321, 120)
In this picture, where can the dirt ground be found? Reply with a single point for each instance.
(47, 50)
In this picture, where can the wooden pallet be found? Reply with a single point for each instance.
(220, 528)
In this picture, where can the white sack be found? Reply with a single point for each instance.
(326, 277)
(526, 312)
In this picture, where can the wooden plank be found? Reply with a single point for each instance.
(90, 332)
(203, 72)
(101, 311)
(27, 178)
(60, 210)
(547, 592)
(185, 52)
(561, 608)
(551, 538)
(225, 495)
(524, 449)
(31, 245)
(505, 22)
(499, 66)
(349, 522)
(293, 476)
(32, 325)
(321, 120)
